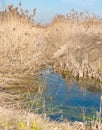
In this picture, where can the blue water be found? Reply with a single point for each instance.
(65, 100)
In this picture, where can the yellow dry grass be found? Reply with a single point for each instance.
(75, 42)
(28, 121)
(22, 44)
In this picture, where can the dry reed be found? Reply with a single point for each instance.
(70, 42)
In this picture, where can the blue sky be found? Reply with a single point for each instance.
(46, 9)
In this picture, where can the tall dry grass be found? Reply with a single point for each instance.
(22, 43)
(22, 54)
(75, 42)
(25, 45)
(63, 27)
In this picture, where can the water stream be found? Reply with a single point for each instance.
(67, 100)
(58, 99)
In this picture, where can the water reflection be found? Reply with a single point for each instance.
(70, 100)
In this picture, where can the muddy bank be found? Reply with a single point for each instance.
(82, 56)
